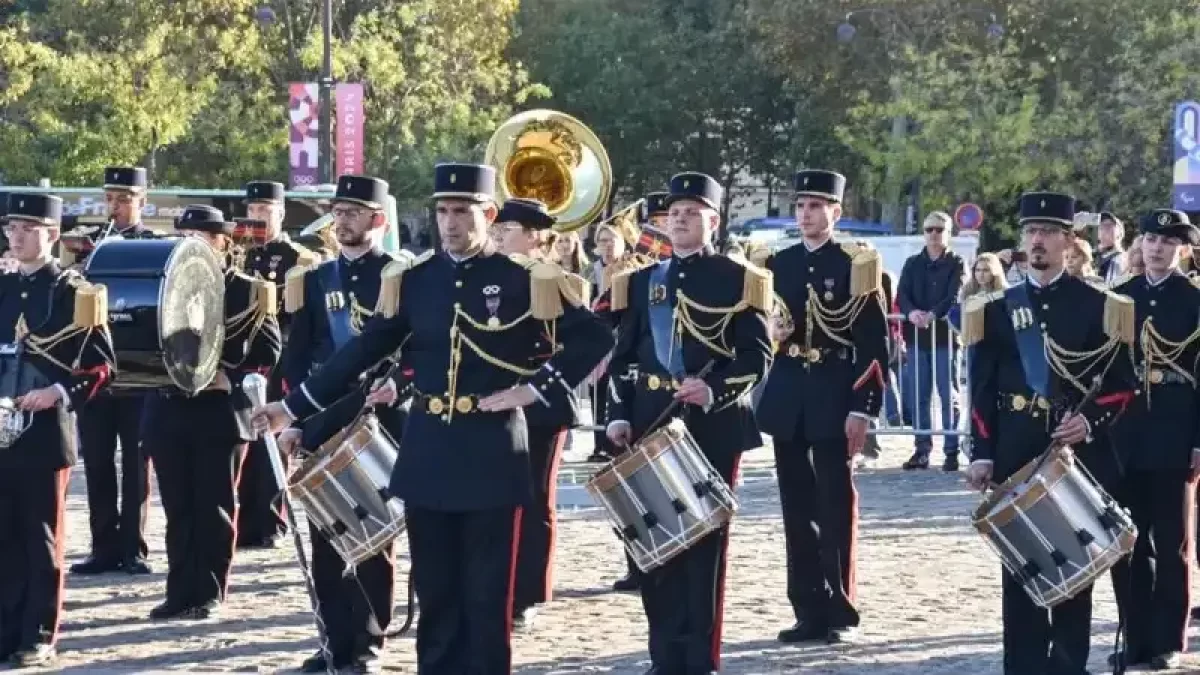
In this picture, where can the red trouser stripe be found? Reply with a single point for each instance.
(719, 615)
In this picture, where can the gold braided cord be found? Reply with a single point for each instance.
(495, 361)
(1061, 359)
(1158, 350)
(832, 321)
(358, 315)
(458, 339)
(710, 335)
(459, 314)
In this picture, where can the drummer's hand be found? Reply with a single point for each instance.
(272, 417)
(40, 399)
(383, 394)
(620, 433)
(1072, 429)
(779, 329)
(856, 432)
(695, 391)
(517, 397)
(288, 441)
(979, 474)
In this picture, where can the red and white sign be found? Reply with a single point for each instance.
(968, 217)
(349, 129)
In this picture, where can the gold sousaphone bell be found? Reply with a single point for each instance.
(554, 158)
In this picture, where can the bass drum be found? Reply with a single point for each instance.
(166, 310)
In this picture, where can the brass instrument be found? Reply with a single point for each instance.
(552, 157)
(322, 228)
(625, 223)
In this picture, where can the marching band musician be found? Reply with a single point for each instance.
(260, 518)
(525, 230)
(1035, 350)
(198, 441)
(470, 321)
(56, 355)
(825, 387)
(677, 316)
(329, 305)
(118, 532)
(1159, 440)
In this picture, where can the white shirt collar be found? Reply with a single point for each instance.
(1034, 282)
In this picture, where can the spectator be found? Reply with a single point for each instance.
(1133, 258)
(1016, 264)
(929, 286)
(987, 275)
(1110, 247)
(610, 247)
(1079, 260)
(568, 251)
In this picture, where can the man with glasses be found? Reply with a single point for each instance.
(56, 354)
(929, 286)
(118, 532)
(260, 513)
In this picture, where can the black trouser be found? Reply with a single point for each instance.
(1154, 584)
(197, 457)
(116, 534)
(356, 607)
(463, 566)
(820, 525)
(684, 603)
(600, 415)
(32, 543)
(1039, 641)
(535, 553)
(261, 512)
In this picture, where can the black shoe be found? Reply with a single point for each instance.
(919, 461)
(523, 619)
(315, 664)
(368, 664)
(598, 458)
(1127, 659)
(1196, 614)
(627, 583)
(96, 565)
(209, 610)
(1166, 661)
(803, 631)
(39, 656)
(135, 566)
(170, 610)
(951, 463)
(257, 542)
(843, 635)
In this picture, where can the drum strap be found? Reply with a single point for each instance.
(337, 307)
(1031, 344)
(661, 314)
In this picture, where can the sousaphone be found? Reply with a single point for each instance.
(554, 158)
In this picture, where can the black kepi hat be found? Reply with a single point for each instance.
(1048, 207)
(203, 218)
(125, 178)
(365, 190)
(829, 185)
(36, 208)
(458, 180)
(529, 213)
(1170, 223)
(656, 204)
(695, 186)
(264, 191)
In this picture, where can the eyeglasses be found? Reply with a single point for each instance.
(939, 230)
(348, 213)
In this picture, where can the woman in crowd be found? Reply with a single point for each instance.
(987, 275)
(1080, 260)
(568, 252)
(1133, 258)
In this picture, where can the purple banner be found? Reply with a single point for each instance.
(304, 121)
(349, 128)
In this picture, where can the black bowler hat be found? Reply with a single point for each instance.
(203, 218)
(1170, 223)
(264, 191)
(365, 190)
(829, 185)
(1048, 207)
(472, 182)
(528, 212)
(127, 178)
(696, 186)
(36, 208)
(656, 204)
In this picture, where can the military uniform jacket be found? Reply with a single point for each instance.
(53, 331)
(310, 341)
(713, 320)
(1162, 425)
(468, 329)
(833, 362)
(273, 260)
(562, 406)
(138, 231)
(1010, 423)
(253, 342)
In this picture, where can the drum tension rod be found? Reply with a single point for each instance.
(629, 533)
(679, 507)
(361, 512)
(704, 489)
(1084, 537)
(1030, 570)
(1060, 560)
(339, 528)
(650, 519)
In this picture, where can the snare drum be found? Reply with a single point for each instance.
(344, 490)
(663, 496)
(166, 310)
(1054, 528)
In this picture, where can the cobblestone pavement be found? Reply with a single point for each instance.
(929, 592)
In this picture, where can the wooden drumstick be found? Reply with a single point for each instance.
(708, 367)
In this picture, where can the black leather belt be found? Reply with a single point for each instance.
(1161, 376)
(655, 382)
(1024, 403)
(437, 405)
(796, 350)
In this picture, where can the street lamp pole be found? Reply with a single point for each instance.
(325, 163)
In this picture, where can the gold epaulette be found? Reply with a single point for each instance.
(619, 290)
(548, 285)
(91, 304)
(293, 288)
(263, 297)
(1119, 317)
(973, 310)
(758, 286)
(759, 255)
(389, 283)
(304, 257)
(866, 269)
(521, 259)
(1121, 280)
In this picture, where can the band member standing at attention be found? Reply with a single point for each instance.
(1159, 442)
(825, 387)
(260, 517)
(55, 355)
(676, 317)
(198, 441)
(525, 226)
(118, 532)
(468, 320)
(329, 305)
(1036, 350)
